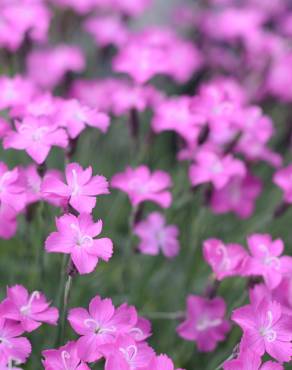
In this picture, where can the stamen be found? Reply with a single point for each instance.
(76, 188)
(6, 342)
(225, 263)
(130, 352)
(137, 332)
(65, 357)
(26, 309)
(206, 323)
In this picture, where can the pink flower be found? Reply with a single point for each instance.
(100, 325)
(141, 185)
(205, 323)
(12, 346)
(154, 235)
(11, 193)
(36, 136)
(15, 91)
(224, 259)
(63, 358)
(126, 354)
(107, 30)
(8, 221)
(265, 329)
(56, 62)
(23, 18)
(265, 259)
(75, 236)
(157, 51)
(248, 360)
(282, 178)
(30, 310)
(81, 188)
(175, 114)
(161, 362)
(238, 196)
(75, 117)
(210, 167)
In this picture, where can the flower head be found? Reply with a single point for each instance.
(76, 236)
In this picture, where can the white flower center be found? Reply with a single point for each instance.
(25, 310)
(269, 260)
(97, 328)
(205, 323)
(82, 240)
(65, 357)
(225, 261)
(129, 353)
(267, 331)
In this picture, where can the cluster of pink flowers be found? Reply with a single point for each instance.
(117, 335)
(225, 60)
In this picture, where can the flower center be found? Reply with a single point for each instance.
(267, 332)
(26, 309)
(225, 261)
(138, 333)
(6, 342)
(82, 240)
(65, 357)
(271, 261)
(96, 327)
(75, 185)
(205, 323)
(129, 353)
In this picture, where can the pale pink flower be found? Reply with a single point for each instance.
(100, 325)
(224, 259)
(36, 136)
(155, 235)
(15, 91)
(265, 329)
(75, 117)
(210, 167)
(175, 114)
(81, 187)
(238, 195)
(12, 345)
(205, 323)
(107, 30)
(75, 236)
(30, 310)
(63, 358)
(56, 62)
(126, 354)
(12, 194)
(266, 259)
(142, 185)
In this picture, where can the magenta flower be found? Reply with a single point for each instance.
(126, 354)
(225, 260)
(266, 260)
(12, 195)
(238, 195)
(63, 358)
(282, 178)
(154, 235)
(36, 136)
(265, 329)
(75, 117)
(210, 167)
(205, 323)
(100, 325)
(12, 346)
(30, 310)
(81, 187)
(161, 362)
(142, 185)
(75, 236)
